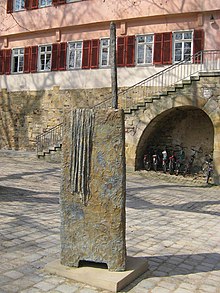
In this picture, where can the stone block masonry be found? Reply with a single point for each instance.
(26, 114)
(93, 188)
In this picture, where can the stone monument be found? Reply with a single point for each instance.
(93, 188)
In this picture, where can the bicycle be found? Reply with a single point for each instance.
(147, 162)
(155, 160)
(172, 163)
(207, 168)
(189, 164)
(164, 160)
(180, 159)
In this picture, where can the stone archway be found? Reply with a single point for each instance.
(187, 126)
(201, 95)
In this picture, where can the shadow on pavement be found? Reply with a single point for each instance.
(191, 206)
(32, 173)
(11, 194)
(174, 265)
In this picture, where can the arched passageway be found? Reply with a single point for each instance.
(187, 126)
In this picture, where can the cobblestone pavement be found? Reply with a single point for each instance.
(173, 222)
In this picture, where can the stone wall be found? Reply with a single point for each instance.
(203, 94)
(26, 114)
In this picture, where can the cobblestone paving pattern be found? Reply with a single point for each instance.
(173, 222)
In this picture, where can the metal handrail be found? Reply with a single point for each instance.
(51, 137)
(162, 81)
(153, 85)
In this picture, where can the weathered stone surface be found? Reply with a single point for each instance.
(26, 114)
(94, 230)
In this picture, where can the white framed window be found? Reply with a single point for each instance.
(44, 3)
(19, 5)
(183, 45)
(74, 59)
(144, 45)
(105, 52)
(17, 60)
(44, 60)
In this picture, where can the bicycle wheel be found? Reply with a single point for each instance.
(147, 166)
(177, 169)
(155, 167)
(164, 167)
(171, 168)
(208, 175)
(205, 169)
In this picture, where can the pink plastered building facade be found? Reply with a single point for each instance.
(150, 35)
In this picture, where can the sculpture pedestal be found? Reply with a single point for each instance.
(101, 278)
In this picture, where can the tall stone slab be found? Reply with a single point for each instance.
(93, 188)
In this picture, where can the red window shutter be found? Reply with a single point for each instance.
(94, 54)
(35, 4)
(62, 56)
(34, 57)
(55, 57)
(7, 61)
(130, 47)
(31, 4)
(27, 58)
(2, 71)
(86, 54)
(158, 44)
(198, 44)
(198, 41)
(167, 48)
(10, 6)
(121, 51)
(27, 4)
(58, 2)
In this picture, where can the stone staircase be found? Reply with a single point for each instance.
(50, 142)
(140, 95)
(146, 101)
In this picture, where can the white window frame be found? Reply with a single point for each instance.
(19, 55)
(101, 53)
(75, 51)
(44, 53)
(182, 41)
(145, 44)
(47, 3)
(20, 3)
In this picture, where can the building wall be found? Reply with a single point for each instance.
(33, 102)
(26, 114)
(92, 12)
(203, 94)
(87, 20)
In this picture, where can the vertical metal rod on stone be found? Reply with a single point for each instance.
(113, 65)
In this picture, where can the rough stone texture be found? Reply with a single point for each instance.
(23, 115)
(95, 230)
(26, 114)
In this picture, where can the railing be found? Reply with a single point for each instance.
(167, 78)
(159, 82)
(152, 86)
(52, 137)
